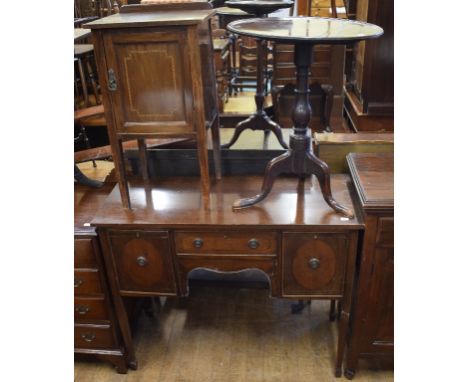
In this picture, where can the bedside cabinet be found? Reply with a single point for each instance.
(371, 331)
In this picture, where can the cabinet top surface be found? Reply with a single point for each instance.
(87, 202)
(306, 29)
(150, 19)
(178, 202)
(372, 174)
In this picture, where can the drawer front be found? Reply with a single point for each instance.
(84, 253)
(226, 242)
(87, 282)
(143, 261)
(90, 309)
(314, 264)
(94, 337)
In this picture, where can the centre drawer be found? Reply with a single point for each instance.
(227, 242)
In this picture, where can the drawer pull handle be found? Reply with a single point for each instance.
(142, 261)
(88, 337)
(78, 282)
(314, 263)
(197, 243)
(82, 309)
(253, 244)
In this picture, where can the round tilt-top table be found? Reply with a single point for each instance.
(259, 120)
(304, 33)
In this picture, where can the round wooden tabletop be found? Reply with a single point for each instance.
(317, 30)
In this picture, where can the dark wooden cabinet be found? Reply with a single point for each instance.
(371, 333)
(158, 80)
(304, 250)
(369, 93)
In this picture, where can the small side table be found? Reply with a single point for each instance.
(304, 33)
(259, 120)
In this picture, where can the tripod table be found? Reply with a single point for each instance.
(259, 120)
(304, 33)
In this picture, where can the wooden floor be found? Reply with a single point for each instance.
(231, 334)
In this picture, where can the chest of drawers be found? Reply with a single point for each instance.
(96, 329)
(305, 249)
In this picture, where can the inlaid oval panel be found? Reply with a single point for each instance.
(314, 264)
(142, 261)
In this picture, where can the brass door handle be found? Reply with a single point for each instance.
(197, 243)
(82, 309)
(314, 263)
(142, 261)
(253, 244)
(88, 337)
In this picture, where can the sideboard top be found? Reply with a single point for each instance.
(372, 175)
(152, 19)
(177, 202)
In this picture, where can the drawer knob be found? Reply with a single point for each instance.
(88, 337)
(314, 263)
(81, 309)
(78, 282)
(142, 261)
(198, 243)
(253, 244)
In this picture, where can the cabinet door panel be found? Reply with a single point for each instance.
(314, 264)
(143, 261)
(153, 91)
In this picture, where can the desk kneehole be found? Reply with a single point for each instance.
(226, 251)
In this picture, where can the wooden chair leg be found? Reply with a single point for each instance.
(83, 82)
(91, 72)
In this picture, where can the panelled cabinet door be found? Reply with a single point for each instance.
(149, 82)
(143, 261)
(313, 264)
(379, 313)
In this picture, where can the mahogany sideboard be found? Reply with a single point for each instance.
(306, 250)
(371, 331)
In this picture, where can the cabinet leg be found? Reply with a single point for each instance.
(342, 330)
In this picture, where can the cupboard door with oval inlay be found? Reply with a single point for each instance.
(149, 81)
(313, 264)
(143, 261)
